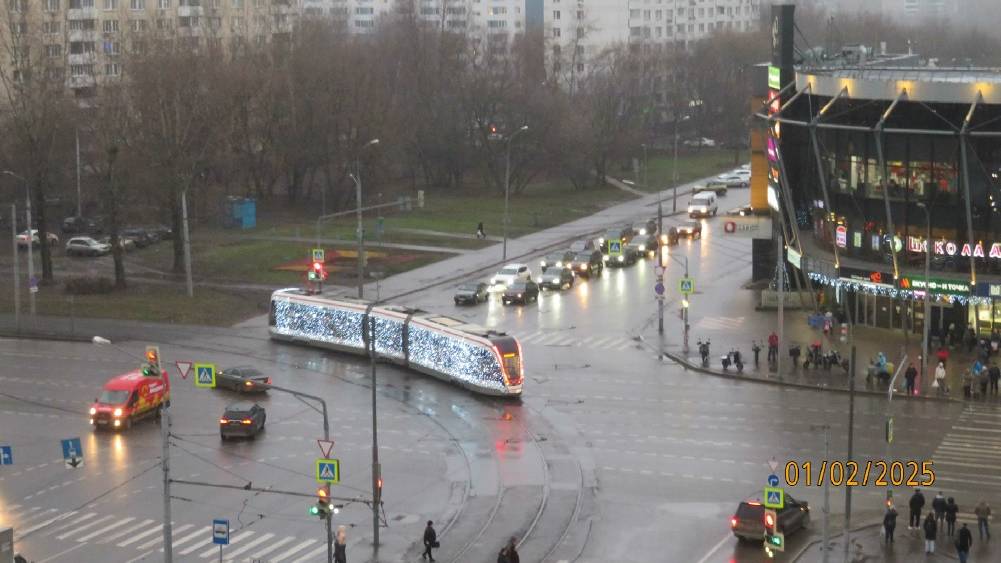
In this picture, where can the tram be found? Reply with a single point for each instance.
(482, 360)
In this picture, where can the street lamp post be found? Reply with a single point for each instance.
(361, 229)
(927, 303)
(674, 169)
(507, 187)
(17, 266)
(31, 258)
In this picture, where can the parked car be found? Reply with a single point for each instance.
(510, 274)
(86, 246)
(699, 142)
(471, 293)
(748, 523)
(242, 380)
(556, 259)
(732, 180)
(22, 239)
(742, 211)
(242, 420)
(127, 244)
(713, 186)
(142, 237)
(81, 225)
(588, 264)
(557, 278)
(160, 232)
(690, 229)
(523, 292)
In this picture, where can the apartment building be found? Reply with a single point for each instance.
(578, 30)
(87, 40)
(480, 17)
(920, 10)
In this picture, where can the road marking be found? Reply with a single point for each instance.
(260, 554)
(311, 554)
(292, 551)
(173, 534)
(204, 532)
(715, 548)
(79, 529)
(138, 537)
(215, 549)
(230, 554)
(87, 516)
(141, 557)
(125, 532)
(61, 553)
(100, 531)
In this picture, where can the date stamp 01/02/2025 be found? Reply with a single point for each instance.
(878, 473)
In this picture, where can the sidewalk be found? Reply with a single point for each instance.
(867, 544)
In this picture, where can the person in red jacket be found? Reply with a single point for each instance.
(773, 347)
(943, 354)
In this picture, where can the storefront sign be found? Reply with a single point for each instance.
(952, 248)
(752, 226)
(866, 276)
(935, 285)
(795, 258)
(841, 236)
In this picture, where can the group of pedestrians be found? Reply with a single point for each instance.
(507, 554)
(940, 521)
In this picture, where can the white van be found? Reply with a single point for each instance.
(703, 204)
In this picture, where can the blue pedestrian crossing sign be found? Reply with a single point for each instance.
(328, 470)
(220, 532)
(774, 498)
(686, 286)
(72, 452)
(318, 255)
(614, 247)
(773, 480)
(6, 455)
(205, 375)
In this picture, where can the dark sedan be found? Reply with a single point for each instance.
(556, 259)
(588, 264)
(557, 278)
(242, 380)
(630, 255)
(471, 293)
(142, 237)
(690, 229)
(242, 420)
(523, 292)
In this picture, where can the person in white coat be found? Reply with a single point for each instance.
(940, 378)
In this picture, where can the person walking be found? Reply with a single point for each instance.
(909, 376)
(889, 523)
(983, 381)
(940, 379)
(995, 374)
(951, 509)
(480, 233)
(931, 529)
(963, 543)
(916, 503)
(509, 553)
(773, 347)
(938, 507)
(967, 384)
(341, 545)
(983, 512)
(430, 541)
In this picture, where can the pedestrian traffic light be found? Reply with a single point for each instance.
(770, 519)
(152, 361)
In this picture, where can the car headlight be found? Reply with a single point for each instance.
(642, 232)
(622, 258)
(118, 423)
(118, 412)
(604, 258)
(583, 267)
(642, 248)
(601, 240)
(93, 411)
(559, 264)
(542, 263)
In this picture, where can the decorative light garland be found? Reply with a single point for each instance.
(892, 292)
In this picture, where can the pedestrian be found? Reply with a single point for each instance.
(963, 543)
(916, 503)
(757, 351)
(509, 553)
(938, 506)
(983, 512)
(773, 347)
(967, 384)
(480, 233)
(341, 545)
(430, 541)
(931, 529)
(940, 379)
(951, 509)
(943, 355)
(995, 341)
(909, 376)
(889, 523)
(994, 372)
(984, 380)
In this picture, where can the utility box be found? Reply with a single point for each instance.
(241, 213)
(6, 545)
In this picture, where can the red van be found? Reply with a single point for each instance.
(129, 398)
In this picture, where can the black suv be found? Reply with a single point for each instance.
(242, 420)
(587, 264)
(749, 521)
(556, 259)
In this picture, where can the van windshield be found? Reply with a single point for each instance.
(113, 397)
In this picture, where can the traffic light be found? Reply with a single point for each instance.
(317, 271)
(774, 540)
(152, 365)
(323, 507)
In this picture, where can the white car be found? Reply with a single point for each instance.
(510, 274)
(86, 246)
(22, 239)
(732, 180)
(744, 173)
(700, 142)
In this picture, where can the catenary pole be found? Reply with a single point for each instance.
(17, 266)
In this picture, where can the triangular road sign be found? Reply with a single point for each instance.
(184, 368)
(326, 446)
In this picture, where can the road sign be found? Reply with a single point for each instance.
(326, 446)
(33, 284)
(686, 286)
(658, 288)
(205, 375)
(773, 463)
(659, 271)
(328, 471)
(773, 480)
(184, 368)
(72, 452)
(6, 455)
(220, 532)
(775, 497)
(318, 255)
(614, 247)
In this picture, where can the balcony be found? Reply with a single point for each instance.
(189, 11)
(81, 59)
(83, 81)
(75, 35)
(81, 14)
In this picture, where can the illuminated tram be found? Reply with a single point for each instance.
(482, 360)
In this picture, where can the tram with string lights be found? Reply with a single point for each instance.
(481, 360)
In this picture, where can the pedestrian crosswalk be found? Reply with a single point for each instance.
(556, 338)
(145, 537)
(719, 323)
(970, 452)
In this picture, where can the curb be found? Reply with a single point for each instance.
(683, 362)
(41, 335)
(813, 543)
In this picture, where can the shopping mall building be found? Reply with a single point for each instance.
(876, 162)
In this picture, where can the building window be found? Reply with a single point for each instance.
(51, 5)
(137, 25)
(112, 48)
(556, 32)
(110, 5)
(112, 69)
(53, 50)
(238, 4)
(82, 25)
(364, 11)
(111, 26)
(137, 4)
(81, 4)
(163, 4)
(364, 23)
(81, 70)
(187, 21)
(50, 27)
(556, 15)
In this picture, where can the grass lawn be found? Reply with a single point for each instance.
(692, 165)
(152, 302)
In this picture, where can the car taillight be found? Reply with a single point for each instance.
(733, 522)
(246, 421)
(223, 421)
(268, 381)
